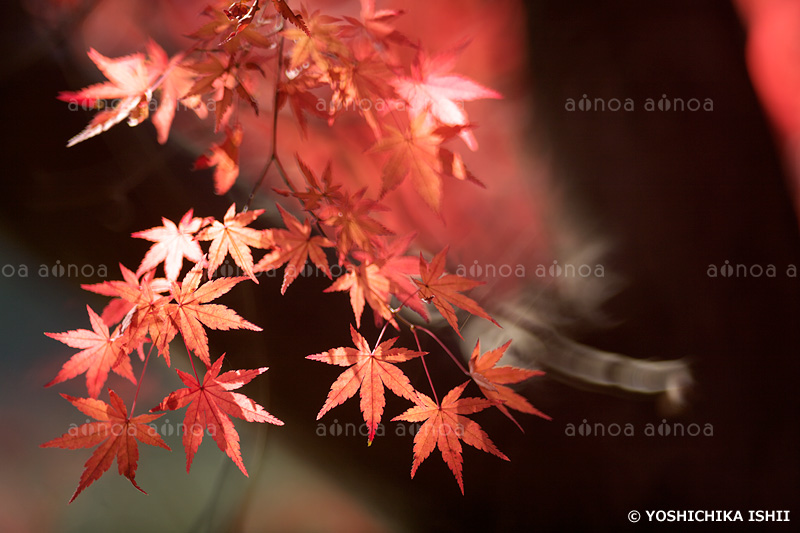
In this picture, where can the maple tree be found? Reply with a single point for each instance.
(342, 62)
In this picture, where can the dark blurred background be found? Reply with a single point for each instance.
(674, 192)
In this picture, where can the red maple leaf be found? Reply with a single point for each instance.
(295, 88)
(210, 407)
(318, 42)
(366, 283)
(191, 310)
(225, 157)
(445, 427)
(295, 246)
(417, 153)
(116, 434)
(375, 29)
(443, 290)
(219, 79)
(398, 269)
(236, 23)
(379, 277)
(430, 90)
(316, 195)
(350, 217)
(231, 236)
(126, 294)
(172, 244)
(101, 353)
(140, 307)
(288, 14)
(177, 80)
(242, 15)
(360, 84)
(493, 380)
(369, 371)
(132, 80)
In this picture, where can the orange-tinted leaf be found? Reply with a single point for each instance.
(318, 43)
(493, 380)
(291, 16)
(218, 24)
(375, 30)
(316, 195)
(126, 293)
(208, 70)
(295, 88)
(236, 28)
(101, 352)
(191, 310)
(443, 290)
(295, 246)
(139, 304)
(178, 80)
(398, 268)
(210, 407)
(445, 427)
(417, 153)
(351, 219)
(369, 371)
(366, 283)
(116, 434)
(218, 80)
(225, 157)
(361, 84)
(242, 15)
(232, 236)
(132, 80)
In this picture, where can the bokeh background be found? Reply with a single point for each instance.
(667, 193)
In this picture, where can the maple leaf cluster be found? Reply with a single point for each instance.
(358, 61)
(144, 310)
(355, 61)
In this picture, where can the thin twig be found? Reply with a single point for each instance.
(424, 364)
(274, 147)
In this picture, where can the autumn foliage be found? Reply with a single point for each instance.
(416, 137)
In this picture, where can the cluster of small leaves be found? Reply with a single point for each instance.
(358, 61)
(147, 311)
(354, 60)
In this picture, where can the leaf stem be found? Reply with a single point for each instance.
(191, 360)
(445, 348)
(431, 334)
(380, 336)
(141, 378)
(424, 364)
